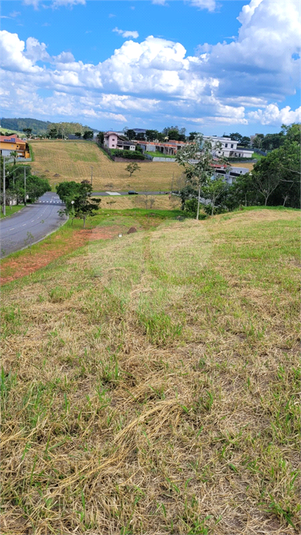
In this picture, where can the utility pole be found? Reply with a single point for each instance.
(4, 192)
(24, 185)
(91, 175)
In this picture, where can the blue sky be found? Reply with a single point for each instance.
(206, 65)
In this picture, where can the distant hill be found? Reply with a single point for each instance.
(38, 127)
(41, 127)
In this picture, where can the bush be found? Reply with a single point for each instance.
(128, 154)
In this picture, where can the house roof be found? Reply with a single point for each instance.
(11, 139)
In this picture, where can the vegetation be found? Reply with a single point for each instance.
(78, 200)
(131, 168)
(127, 154)
(157, 154)
(150, 383)
(274, 181)
(21, 182)
(198, 160)
(63, 161)
(38, 127)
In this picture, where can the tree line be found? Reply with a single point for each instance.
(20, 184)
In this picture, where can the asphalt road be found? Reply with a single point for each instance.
(116, 193)
(31, 224)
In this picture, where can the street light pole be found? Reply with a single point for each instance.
(4, 192)
(24, 185)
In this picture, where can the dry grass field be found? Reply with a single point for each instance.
(72, 160)
(150, 383)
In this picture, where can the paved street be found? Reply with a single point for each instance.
(108, 193)
(31, 224)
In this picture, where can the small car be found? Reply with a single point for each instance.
(132, 192)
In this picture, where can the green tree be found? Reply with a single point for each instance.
(151, 135)
(130, 134)
(78, 200)
(198, 160)
(192, 136)
(27, 131)
(213, 189)
(132, 167)
(279, 172)
(88, 134)
(78, 134)
(257, 141)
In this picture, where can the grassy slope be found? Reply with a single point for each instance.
(150, 383)
(73, 161)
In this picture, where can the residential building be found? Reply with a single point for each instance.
(229, 147)
(113, 140)
(12, 143)
(169, 148)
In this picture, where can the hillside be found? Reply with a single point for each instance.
(72, 160)
(150, 383)
(40, 127)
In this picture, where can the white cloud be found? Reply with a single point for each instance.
(126, 33)
(260, 59)
(36, 51)
(64, 57)
(233, 83)
(204, 4)
(55, 3)
(12, 57)
(274, 116)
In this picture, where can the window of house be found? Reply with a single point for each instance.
(226, 144)
(232, 146)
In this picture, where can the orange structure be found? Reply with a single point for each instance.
(12, 143)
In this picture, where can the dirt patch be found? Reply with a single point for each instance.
(25, 265)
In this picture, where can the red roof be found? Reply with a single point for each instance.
(11, 139)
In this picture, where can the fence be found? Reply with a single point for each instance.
(157, 159)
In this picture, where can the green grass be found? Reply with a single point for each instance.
(31, 152)
(257, 156)
(10, 210)
(150, 382)
(157, 154)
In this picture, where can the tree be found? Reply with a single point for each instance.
(257, 141)
(198, 159)
(132, 168)
(151, 135)
(213, 189)
(277, 176)
(192, 136)
(14, 155)
(27, 131)
(78, 134)
(78, 200)
(88, 134)
(53, 133)
(273, 141)
(130, 134)
(100, 138)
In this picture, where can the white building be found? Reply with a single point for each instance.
(229, 147)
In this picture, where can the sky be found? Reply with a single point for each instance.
(211, 66)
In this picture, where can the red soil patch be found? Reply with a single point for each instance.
(29, 263)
